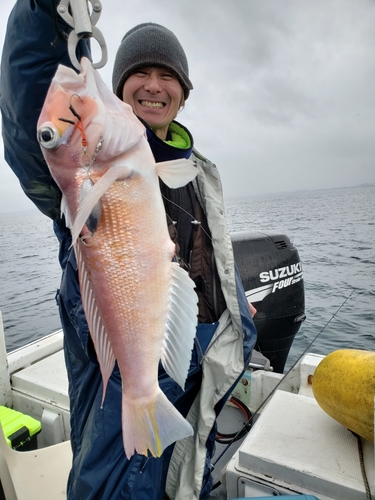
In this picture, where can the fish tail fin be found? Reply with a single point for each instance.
(152, 425)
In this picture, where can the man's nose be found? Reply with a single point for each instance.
(153, 84)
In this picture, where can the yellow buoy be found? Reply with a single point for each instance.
(344, 386)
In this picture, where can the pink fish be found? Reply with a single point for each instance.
(140, 306)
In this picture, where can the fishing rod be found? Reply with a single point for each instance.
(249, 422)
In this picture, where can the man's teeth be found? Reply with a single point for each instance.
(150, 104)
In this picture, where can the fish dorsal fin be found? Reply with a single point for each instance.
(181, 326)
(176, 173)
(103, 348)
(114, 173)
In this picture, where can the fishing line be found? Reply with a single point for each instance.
(193, 219)
(249, 422)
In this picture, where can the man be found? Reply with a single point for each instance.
(151, 74)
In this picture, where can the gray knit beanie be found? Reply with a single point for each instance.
(150, 44)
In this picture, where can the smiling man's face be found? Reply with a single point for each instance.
(155, 95)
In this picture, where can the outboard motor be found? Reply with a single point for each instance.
(272, 276)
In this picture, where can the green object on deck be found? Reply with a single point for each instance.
(19, 430)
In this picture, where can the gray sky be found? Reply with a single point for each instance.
(284, 95)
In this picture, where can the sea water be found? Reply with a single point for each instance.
(333, 231)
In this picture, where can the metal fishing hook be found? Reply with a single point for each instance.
(85, 161)
(71, 106)
(74, 112)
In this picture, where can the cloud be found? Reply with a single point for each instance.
(283, 91)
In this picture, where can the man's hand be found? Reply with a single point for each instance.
(253, 311)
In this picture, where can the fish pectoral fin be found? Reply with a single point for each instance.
(113, 174)
(176, 173)
(93, 219)
(64, 210)
(181, 326)
(161, 424)
(103, 348)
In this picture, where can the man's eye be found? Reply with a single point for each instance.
(168, 76)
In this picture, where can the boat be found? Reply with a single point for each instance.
(280, 441)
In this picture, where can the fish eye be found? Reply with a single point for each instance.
(48, 136)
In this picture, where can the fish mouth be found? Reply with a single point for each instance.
(152, 104)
